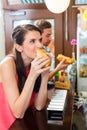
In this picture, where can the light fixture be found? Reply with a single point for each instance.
(57, 6)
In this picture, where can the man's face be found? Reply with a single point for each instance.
(46, 36)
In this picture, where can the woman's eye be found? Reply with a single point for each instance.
(32, 41)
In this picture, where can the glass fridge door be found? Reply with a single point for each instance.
(81, 56)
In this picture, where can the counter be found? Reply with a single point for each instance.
(37, 120)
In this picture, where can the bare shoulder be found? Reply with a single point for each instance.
(7, 61)
(7, 64)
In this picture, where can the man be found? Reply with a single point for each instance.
(46, 28)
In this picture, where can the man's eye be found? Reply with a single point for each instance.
(40, 40)
(48, 35)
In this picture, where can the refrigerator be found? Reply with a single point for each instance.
(81, 60)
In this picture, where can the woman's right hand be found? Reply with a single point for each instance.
(37, 65)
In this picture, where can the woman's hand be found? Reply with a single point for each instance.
(37, 66)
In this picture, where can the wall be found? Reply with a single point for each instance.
(2, 34)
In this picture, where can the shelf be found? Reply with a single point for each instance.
(81, 6)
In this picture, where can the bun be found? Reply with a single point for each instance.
(42, 52)
(68, 60)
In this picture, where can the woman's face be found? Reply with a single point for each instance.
(30, 45)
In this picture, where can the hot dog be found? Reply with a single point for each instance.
(68, 60)
(42, 52)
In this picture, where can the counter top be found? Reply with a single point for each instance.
(37, 120)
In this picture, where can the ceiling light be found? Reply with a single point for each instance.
(57, 6)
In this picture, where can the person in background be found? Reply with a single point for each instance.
(23, 79)
(51, 47)
(46, 29)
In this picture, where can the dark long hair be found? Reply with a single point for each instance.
(18, 37)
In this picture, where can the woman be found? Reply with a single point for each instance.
(23, 79)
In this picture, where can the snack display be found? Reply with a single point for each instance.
(62, 85)
(68, 60)
(42, 52)
(83, 70)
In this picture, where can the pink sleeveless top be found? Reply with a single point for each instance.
(6, 115)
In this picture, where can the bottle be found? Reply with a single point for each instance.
(61, 76)
(57, 76)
